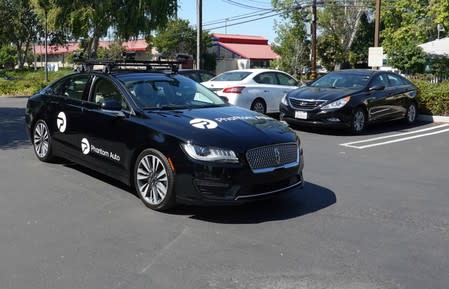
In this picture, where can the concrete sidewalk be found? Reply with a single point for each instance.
(433, 118)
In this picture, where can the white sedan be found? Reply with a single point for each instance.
(260, 90)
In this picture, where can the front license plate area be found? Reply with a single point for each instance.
(301, 114)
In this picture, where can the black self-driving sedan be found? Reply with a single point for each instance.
(351, 99)
(167, 136)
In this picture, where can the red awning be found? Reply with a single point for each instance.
(251, 51)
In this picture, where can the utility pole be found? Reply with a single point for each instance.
(46, 45)
(199, 24)
(313, 74)
(377, 24)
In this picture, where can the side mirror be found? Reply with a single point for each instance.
(308, 82)
(111, 104)
(224, 98)
(377, 87)
(112, 107)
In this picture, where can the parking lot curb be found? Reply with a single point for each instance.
(433, 118)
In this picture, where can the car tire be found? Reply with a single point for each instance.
(42, 141)
(358, 121)
(259, 105)
(410, 116)
(154, 180)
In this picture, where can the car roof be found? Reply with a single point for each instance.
(255, 70)
(357, 71)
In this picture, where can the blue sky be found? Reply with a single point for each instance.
(218, 10)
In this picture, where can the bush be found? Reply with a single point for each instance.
(433, 97)
(27, 82)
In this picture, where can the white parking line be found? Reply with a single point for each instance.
(352, 144)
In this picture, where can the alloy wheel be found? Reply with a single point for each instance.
(258, 106)
(41, 140)
(411, 113)
(152, 180)
(358, 121)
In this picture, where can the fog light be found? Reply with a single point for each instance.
(333, 119)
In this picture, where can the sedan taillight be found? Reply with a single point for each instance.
(234, 89)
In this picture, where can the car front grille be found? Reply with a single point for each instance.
(307, 104)
(272, 156)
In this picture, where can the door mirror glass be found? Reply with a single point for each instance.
(377, 87)
(111, 104)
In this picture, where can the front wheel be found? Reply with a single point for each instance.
(154, 180)
(410, 117)
(42, 141)
(358, 122)
(258, 105)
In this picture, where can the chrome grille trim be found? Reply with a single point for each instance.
(269, 158)
(305, 104)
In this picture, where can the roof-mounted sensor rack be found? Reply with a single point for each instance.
(127, 62)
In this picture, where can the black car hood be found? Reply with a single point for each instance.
(318, 93)
(226, 127)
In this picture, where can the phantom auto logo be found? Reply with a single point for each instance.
(203, 123)
(85, 146)
(61, 122)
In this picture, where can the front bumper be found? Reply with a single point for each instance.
(227, 184)
(340, 118)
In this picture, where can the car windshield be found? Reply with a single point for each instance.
(173, 93)
(231, 76)
(342, 80)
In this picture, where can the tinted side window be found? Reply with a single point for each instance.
(379, 80)
(286, 80)
(105, 89)
(395, 80)
(205, 76)
(266, 78)
(192, 75)
(72, 87)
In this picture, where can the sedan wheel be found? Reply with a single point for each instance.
(153, 179)
(42, 141)
(411, 113)
(358, 121)
(258, 106)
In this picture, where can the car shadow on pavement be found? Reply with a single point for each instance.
(372, 129)
(12, 128)
(296, 203)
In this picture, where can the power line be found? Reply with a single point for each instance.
(247, 21)
(238, 17)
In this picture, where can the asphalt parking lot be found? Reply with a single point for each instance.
(373, 214)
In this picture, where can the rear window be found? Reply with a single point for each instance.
(232, 76)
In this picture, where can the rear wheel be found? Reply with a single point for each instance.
(410, 117)
(358, 121)
(258, 105)
(154, 180)
(42, 141)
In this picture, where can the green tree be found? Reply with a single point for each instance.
(20, 27)
(406, 24)
(7, 56)
(90, 20)
(358, 54)
(409, 58)
(291, 42)
(439, 11)
(339, 24)
(179, 37)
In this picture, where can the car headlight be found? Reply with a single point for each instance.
(284, 100)
(338, 103)
(210, 154)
